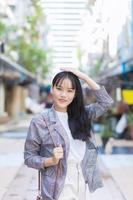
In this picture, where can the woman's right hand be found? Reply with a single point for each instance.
(57, 154)
(54, 160)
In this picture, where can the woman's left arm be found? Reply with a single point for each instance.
(103, 103)
(103, 100)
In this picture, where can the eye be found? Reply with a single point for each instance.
(70, 90)
(58, 88)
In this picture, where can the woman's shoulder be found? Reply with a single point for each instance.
(39, 118)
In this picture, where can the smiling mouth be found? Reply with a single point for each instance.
(62, 100)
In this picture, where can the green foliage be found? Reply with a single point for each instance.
(24, 43)
(106, 132)
(96, 67)
(80, 54)
(30, 55)
(130, 118)
(2, 30)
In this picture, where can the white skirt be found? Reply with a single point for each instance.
(74, 187)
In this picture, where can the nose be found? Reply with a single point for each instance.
(63, 94)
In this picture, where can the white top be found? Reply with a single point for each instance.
(77, 147)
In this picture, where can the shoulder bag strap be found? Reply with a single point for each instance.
(58, 167)
(50, 133)
(39, 183)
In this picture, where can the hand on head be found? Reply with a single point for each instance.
(75, 71)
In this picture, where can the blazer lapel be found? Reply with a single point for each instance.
(55, 123)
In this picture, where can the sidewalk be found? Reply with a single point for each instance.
(11, 159)
(121, 169)
(24, 187)
(18, 123)
(11, 150)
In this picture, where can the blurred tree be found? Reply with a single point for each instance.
(80, 54)
(28, 42)
(95, 69)
(2, 30)
(2, 37)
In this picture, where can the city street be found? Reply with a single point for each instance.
(77, 56)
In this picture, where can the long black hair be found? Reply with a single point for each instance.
(78, 120)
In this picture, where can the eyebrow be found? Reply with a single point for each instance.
(67, 88)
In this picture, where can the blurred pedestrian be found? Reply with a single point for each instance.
(67, 160)
(49, 101)
(121, 129)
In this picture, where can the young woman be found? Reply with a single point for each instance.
(75, 154)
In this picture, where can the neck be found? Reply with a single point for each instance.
(60, 109)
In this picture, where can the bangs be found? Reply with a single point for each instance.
(60, 79)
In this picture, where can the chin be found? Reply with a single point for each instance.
(62, 106)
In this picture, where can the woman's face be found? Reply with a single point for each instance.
(63, 94)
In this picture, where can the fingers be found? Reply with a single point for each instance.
(58, 152)
(78, 73)
(67, 69)
(58, 156)
(58, 149)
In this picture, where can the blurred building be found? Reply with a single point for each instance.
(14, 12)
(64, 19)
(106, 34)
(119, 69)
(14, 81)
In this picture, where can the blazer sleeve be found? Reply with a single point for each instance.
(32, 147)
(103, 103)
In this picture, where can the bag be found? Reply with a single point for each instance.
(39, 196)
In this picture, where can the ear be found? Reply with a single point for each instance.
(51, 90)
